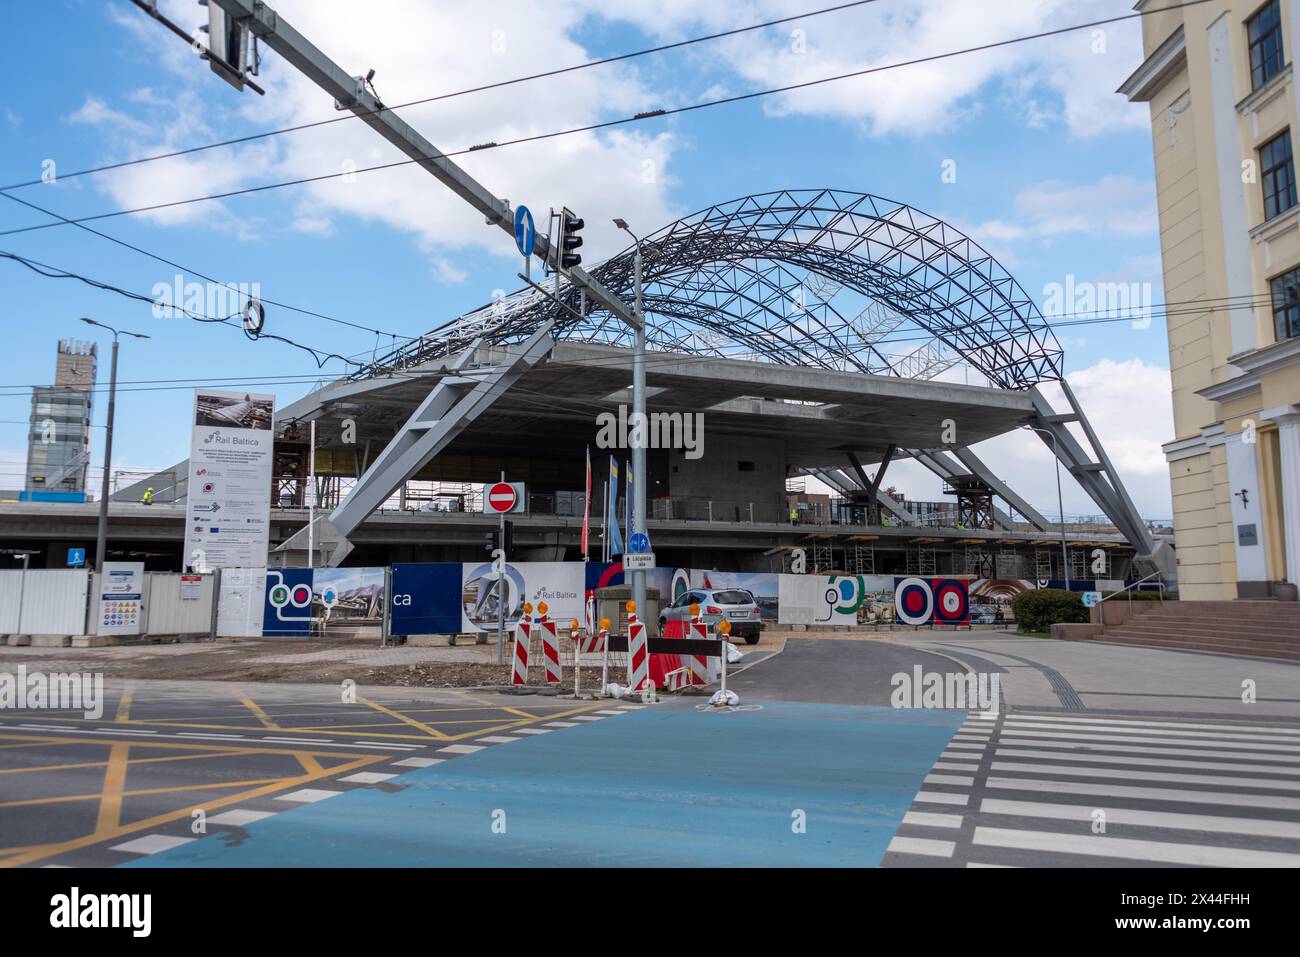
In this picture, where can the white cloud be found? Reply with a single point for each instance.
(437, 49)
(1129, 406)
(1068, 80)
(1113, 206)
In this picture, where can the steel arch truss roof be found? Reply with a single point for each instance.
(819, 278)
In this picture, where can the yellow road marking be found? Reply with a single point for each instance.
(64, 799)
(124, 704)
(262, 716)
(433, 732)
(50, 850)
(308, 762)
(180, 746)
(130, 761)
(477, 700)
(110, 798)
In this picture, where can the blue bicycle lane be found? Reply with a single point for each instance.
(670, 785)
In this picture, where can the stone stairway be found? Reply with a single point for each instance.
(1265, 629)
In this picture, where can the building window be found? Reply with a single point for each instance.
(1286, 304)
(1277, 174)
(1264, 37)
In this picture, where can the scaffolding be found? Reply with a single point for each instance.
(1043, 558)
(921, 560)
(861, 558)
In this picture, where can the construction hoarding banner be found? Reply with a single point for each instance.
(228, 498)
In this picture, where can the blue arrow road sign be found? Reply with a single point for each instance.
(638, 543)
(525, 232)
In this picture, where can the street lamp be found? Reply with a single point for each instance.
(1060, 505)
(22, 587)
(639, 419)
(101, 536)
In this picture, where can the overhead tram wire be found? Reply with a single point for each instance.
(1186, 307)
(320, 356)
(612, 362)
(607, 124)
(185, 269)
(499, 84)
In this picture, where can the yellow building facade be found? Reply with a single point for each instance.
(1219, 80)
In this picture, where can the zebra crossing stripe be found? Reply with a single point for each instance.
(939, 797)
(948, 779)
(1124, 774)
(1095, 757)
(1104, 789)
(1284, 760)
(1110, 739)
(1154, 724)
(1222, 736)
(1161, 852)
(1258, 827)
(931, 819)
(921, 845)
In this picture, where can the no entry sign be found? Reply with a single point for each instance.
(503, 497)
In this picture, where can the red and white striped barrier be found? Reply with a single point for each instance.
(638, 658)
(698, 665)
(550, 646)
(590, 644)
(523, 631)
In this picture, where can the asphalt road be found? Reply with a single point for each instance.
(835, 671)
(814, 769)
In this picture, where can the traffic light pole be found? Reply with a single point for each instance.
(503, 589)
(350, 93)
(642, 436)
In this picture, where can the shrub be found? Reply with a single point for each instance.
(1038, 609)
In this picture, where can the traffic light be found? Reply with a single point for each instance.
(227, 43)
(570, 226)
(492, 539)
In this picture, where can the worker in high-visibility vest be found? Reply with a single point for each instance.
(147, 497)
(794, 515)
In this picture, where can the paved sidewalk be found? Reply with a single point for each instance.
(1085, 675)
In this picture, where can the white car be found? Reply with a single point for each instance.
(736, 605)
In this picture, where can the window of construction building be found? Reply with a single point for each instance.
(1286, 304)
(1277, 174)
(1264, 37)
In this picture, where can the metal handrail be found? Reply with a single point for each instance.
(1129, 589)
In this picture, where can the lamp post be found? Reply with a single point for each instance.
(1060, 505)
(101, 536)
(22, 587)
(640, 425)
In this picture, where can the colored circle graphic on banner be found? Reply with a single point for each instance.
(279, 596)
(329, 597)
(951, 602)
(914, 601)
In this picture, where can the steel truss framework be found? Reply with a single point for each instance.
(759, 278)
(814, 278)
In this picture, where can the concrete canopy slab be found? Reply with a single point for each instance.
(819, 414)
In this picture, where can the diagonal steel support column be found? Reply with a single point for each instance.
(1096, 475)
(453, 404)
(942, 465)
(842, 483)
(1008, 494)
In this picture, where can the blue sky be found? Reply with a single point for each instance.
(1054, 175)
